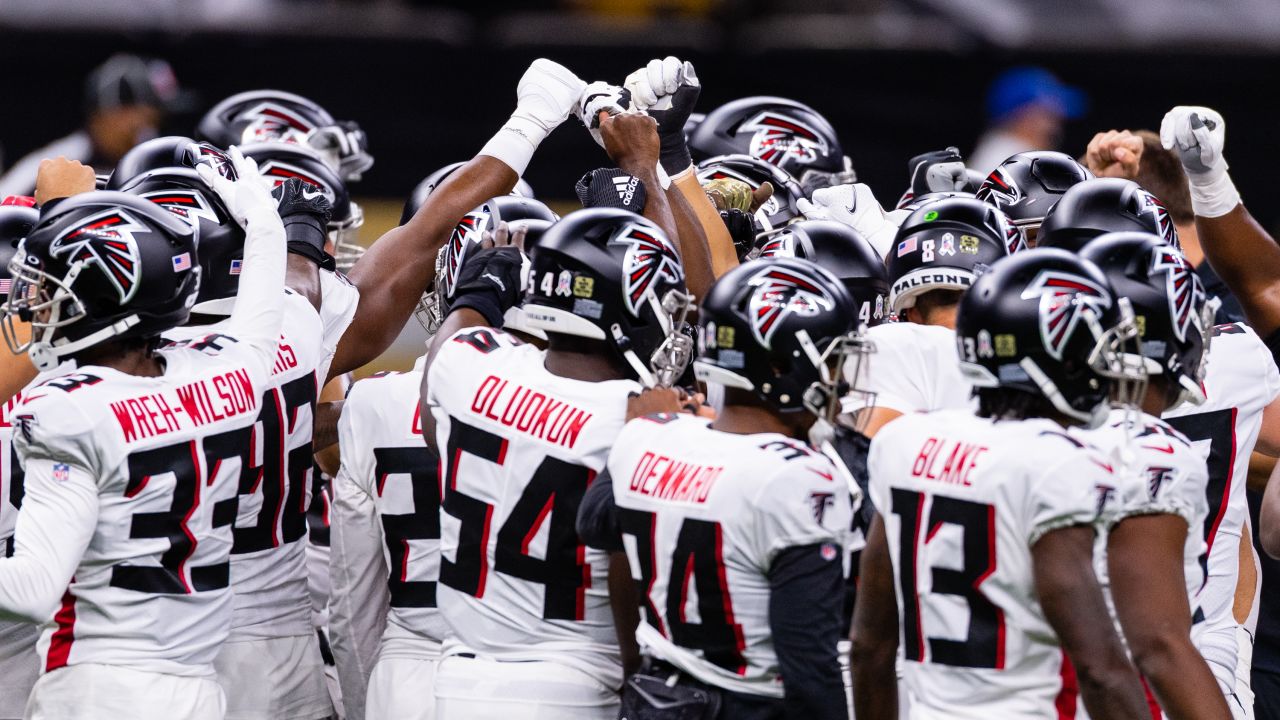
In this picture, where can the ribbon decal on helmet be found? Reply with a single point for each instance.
(1064, 298)
(778, 292)
(106, 240)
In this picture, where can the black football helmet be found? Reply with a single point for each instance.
(280, 161)
(99, 266)
(16, 222)
(166, 152)
(1173, 314)
(466, 235)
(912, 202)
(945, 245)
(843, 252)
(611, 275)
(777, 210)
(260, 116)
(783, 133)
(430, 182)
(781, 328)
(219, 238)
(1027, 185)
(1102, 205)
(1048, 323)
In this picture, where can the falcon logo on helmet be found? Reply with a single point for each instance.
(188, 205)
(1064, 300)
(1000, 186)
(464, 233)
(778, 137)
(649, 256)
(105, 239)
(271, 122)
(1149, 204)
(216, 159)
(778, 292)
(278, 172)
(780, 245)
(1182, 286)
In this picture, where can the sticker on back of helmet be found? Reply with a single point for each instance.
(650, 256)
(777, 138)
(1064, 298)
(105, 239)
(777, 292)
(1182, 287)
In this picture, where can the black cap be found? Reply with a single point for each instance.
(127, 80)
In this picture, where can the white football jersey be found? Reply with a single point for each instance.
(963, 500)
(19, 663)
(152, 590)
(915, 368)
(703, 515)
(385, 458)
(519, 446)
(1240, 381)
(268, 563)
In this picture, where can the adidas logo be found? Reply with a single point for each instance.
(626, 187)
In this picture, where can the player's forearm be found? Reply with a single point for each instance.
(258, 311)
(695, 250)
(874, 650)
(59, 513)
(1269, 517)
(302, 276)
(719, 243)
(1247, 259)
(657, 208)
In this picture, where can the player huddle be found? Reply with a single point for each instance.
(732, 441)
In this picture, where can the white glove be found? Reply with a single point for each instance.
(598, 97)
(856, 206)
(657, 81)
(947, 177)
(545, 95)
(248, 198)
(1198, 135)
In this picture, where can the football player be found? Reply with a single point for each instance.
(1242, 388)
(735, 529)
(1028, 185)
(521, 433)
(1149, 561)
(270, 665)
(1101, 205)
(979, 561)
(132, 460)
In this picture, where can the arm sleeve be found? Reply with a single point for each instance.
(258, 313)
(59, 514)
(805, 594)
(359, 599)
(598, 524)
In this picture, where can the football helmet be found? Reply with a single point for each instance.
(1027, 185)
(280, 161)
(260, 116)
(1173, 314)
(16, 222)
(945, 245)
(782, 328)
(466, 235)
(843, 252)
(165, 152)
(1102, 205)
(219, 238)
(99, 266)
(611, 275)
(430, 182)
(784, 133)
(1048, 323)
(777, 210)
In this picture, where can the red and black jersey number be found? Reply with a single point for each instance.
(418, 464)
(1219, 428)
(983, 646)
(550, 498)
(697, 563)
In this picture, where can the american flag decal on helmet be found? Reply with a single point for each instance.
(650, 255)
(1182, 286)
(106, 240)
(779, 292)
(778, 138)
(1064, 299)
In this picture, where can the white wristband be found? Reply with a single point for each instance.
(515, 143)
(1213, 197)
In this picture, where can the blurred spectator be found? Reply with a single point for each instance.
(125, 100)
(1026, 107)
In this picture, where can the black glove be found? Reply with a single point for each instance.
(611, 187)
(305, 212)
(743, 228)
(489, 283)
(947, 172)
(674, 153)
